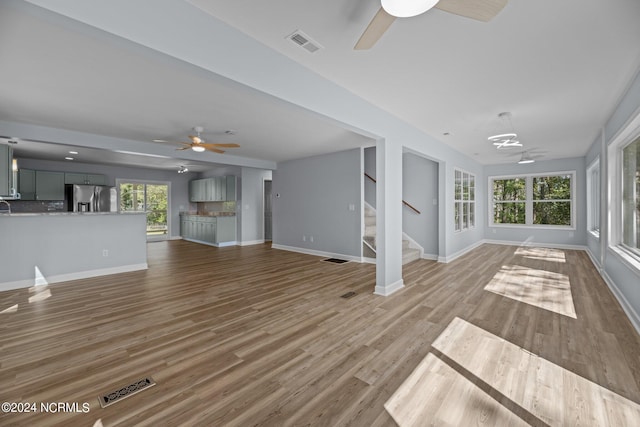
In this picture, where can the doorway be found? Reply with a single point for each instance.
(267, 212)
(151, 198)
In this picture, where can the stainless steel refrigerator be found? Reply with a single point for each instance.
(91, 198)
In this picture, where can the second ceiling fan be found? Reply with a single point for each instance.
(480, 10)
(199, 145)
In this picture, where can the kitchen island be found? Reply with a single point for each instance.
(44, 248)
(212, 228)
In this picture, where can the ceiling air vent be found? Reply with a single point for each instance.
(304, 41)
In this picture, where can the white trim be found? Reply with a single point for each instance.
(629, 260)
(175, 238)
(632, 315)
(536, 244)
(27, 283)
(593, 259)
(432, 257)
(316, 253)
(449, 258)
(251, 242)
(367, 260)
(387, 290)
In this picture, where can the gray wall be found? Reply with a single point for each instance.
(420, 189)
(179, 182)
(314, 198)
(542, 235)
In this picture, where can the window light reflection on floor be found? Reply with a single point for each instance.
(491, 381)
(542, 254)
(541, 288)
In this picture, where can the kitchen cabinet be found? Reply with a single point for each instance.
(208, 229)
(49, 185)
(215, 189)
(85, 178)
(6, 171)
(27, 184)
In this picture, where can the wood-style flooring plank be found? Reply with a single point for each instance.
(251, 336)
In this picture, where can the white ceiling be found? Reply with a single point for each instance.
(558, 67)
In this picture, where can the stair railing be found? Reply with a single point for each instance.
(403, 202)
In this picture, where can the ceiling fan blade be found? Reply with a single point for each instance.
(376, 28)
(215, 150)
(183, 148)
(215, 144)
(480, 10)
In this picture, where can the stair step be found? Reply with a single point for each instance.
(409, 255)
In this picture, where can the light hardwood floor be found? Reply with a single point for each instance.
(244, 336)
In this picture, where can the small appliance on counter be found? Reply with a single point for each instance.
(90, 198)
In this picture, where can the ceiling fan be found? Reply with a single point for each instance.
(480, 10)
(199, 145)
(528, 156)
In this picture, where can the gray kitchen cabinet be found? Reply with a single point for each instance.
(49, 185)
(6, 171)
(27, 184)
(215, 189)
(85, 178)
(226, 229)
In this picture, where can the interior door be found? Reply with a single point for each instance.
(267, 211)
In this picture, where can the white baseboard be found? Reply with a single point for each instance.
(316, 253)
(431, 257)
(633, 316)
(27, 283)
(536, 244)
(175, 238)
(368, 260)
(389, 289)
(225, 244)
(449, 258)
(251, 242)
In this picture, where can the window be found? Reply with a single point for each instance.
(149, 197)
(533, 200)
(631, 196)
(464, 200)
(593, 198)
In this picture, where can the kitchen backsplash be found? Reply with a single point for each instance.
(26, 206)
(205, 207)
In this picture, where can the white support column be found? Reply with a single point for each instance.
(389, 217)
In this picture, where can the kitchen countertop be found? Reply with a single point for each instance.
(209, 214)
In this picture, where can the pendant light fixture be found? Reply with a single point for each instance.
(505, 140)
(407, 8)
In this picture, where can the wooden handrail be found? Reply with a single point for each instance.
(403, 202)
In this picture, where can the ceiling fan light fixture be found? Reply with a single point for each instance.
(407, 8)
(197, 148)
(525, 159)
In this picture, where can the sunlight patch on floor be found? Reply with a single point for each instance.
(542, 254)
(12, 309)
(477, 370)
(541, 288)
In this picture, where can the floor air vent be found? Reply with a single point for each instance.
(336, 260)
(348, 295)
(126, 391)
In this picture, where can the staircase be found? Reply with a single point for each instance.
(409, 253)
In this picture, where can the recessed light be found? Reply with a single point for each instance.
(446, 134)
(158, 140)
(73, 152)
(230, 132)
(68, 158)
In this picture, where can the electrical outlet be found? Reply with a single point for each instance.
(352, 207)
(105, 252)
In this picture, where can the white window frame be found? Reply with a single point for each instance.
(614, 179)
(593, 198)
(528, 217)
(470, 223)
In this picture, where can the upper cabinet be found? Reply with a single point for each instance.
(216, 189)
(27, 184)
(6, 170)
(49, 185)
(84, 178)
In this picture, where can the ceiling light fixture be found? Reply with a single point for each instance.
(197, 148)
(407, 8)
(68, 158)
(183, 169)
(525, 159)
(505, 140)
(73, 152)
